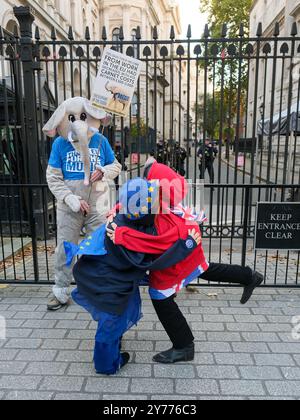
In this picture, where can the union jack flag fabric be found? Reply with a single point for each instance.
(157, 294)
(189, 214)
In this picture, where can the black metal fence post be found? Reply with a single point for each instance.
(246, 226)
(26, 19)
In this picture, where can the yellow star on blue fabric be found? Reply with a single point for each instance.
(94, 245)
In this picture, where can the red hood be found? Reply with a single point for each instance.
(174, 187)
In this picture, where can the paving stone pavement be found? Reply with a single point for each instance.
(243, 352)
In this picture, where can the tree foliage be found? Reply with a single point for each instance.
(136, 131)
(216, 113)
(231, 12)
(227, 71)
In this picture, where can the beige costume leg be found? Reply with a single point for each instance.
(69, 225)
(93, 222)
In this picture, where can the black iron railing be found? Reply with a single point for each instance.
(242, 93)
(28, 243)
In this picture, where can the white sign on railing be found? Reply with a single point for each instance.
(116, 82)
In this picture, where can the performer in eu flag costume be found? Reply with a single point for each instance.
(108, 276)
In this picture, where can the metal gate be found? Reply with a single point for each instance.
(243, 94)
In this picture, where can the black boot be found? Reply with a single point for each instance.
(126, 358)
(257, 280)
(174, 356)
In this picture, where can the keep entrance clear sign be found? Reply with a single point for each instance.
(278, 226)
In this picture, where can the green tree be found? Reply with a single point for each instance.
(136, 131)
(230, 74)
(216, 114)
(231, 12)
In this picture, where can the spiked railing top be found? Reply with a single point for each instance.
(87, 34)
(37, 33)
(259, 31)
(276, 29)
(294, 30)
(53, 34)
(206, 31)
(189, 32)
(172, 32)
(138, 33)
(242, 30)
(121, 34)
(104, 34)
(224, 30)
(70, 34)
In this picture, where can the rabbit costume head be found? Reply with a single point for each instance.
(76, 120)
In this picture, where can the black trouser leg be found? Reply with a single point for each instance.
(201, 169)
(174, 322)
(226, 273)
(211, 172)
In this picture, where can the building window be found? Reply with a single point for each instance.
(133, 38)
(116, 38)
(12, 27)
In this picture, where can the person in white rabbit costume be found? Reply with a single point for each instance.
(81, 163)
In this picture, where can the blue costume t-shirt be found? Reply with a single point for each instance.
(65, 157)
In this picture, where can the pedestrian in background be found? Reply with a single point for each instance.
(161, 154)
(207, 161)
(180, 157)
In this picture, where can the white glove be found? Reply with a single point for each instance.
(73, 201)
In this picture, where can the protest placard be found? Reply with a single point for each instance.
(116, 82)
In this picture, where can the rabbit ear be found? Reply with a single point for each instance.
(57, 118)
(94, 112)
